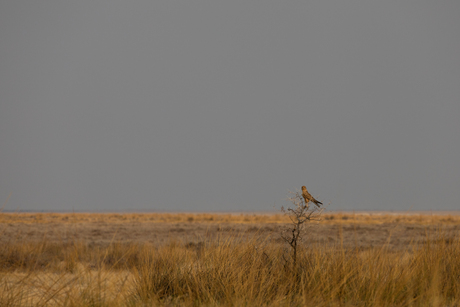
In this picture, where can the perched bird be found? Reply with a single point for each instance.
(308, 198)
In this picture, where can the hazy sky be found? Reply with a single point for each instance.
(227, 105)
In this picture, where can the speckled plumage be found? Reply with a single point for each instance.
(308, 198)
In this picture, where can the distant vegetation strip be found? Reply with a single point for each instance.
(327, 218)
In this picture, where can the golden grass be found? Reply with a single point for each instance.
(216, 218)
(228, 271)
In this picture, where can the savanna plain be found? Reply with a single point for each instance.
(217, 259)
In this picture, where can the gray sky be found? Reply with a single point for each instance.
(227, 105)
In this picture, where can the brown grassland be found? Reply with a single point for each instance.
(185, 259)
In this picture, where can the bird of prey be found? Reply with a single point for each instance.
(308, 198)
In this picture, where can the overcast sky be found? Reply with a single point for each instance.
(227, 105)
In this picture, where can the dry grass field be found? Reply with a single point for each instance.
(159, 259)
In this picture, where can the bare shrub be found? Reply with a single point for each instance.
(299, 214)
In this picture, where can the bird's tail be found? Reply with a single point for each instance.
(317, 202)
